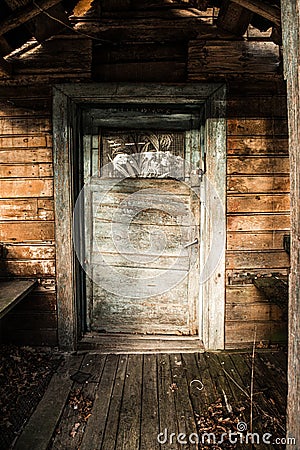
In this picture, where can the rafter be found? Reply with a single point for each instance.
(269, 12)
(25, 14)
(234, 18)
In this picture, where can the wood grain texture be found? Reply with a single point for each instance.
(47, 414)
(129, 421)
(26, 170)
(259, 165)
(259, 241)
(258, 207)
(18, 188)
(214, 286)
(240, 334)
(26, 155)
(249, 293)
(235, 57)
(24, 14)
(257, 145)
(257, 127)
(116, 389)
(175, 29)
(23, 231)
(5, 68)
(72, 58)
(258, 183)
(12, 292)
(262, 222)
(258, 203)
(26, 209)
(275, 259)
(63, 206)
(291, 40)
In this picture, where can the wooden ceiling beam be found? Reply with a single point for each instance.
(263, 9)
(19, 17)
(234, 18)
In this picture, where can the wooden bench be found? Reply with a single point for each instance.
(12, 292)
(275, 289)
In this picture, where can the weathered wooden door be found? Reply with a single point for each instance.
(142, 222)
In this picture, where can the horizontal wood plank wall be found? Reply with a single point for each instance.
(26, 211)
(257, 209)
(173, 50)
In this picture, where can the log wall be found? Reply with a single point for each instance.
(27, 210)
(257, 165)
(257, 208)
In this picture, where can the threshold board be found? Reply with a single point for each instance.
(136, 344)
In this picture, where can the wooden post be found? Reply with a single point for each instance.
(291, 41)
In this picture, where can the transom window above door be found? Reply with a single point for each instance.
(142, 154)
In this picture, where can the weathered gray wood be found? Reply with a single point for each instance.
(291, 42)
(112, 424)
(43, 27)
(213, 278)
(63, 438)
(146, 120)
(62, 147)
(150, 405)
(135, 93)
(166, 313)
(138, 396)
(38, 432)
(97, 421)
(184, 409)
(197, 391)
(88, 94)
(130, 343)
(12, 292)
(210, 393)
(155, 208)
(166, 400)
(130, 416)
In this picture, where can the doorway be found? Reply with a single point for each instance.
(143, 167)
(164, 123)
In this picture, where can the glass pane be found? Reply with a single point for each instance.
(142, 154)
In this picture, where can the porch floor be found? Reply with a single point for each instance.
(123, 401)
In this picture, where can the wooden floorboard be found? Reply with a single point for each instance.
(112, 424)
(150, 411)
(166, 400)
(128, 437)
(70, 429)
(97, 421)
(183, 404)
(125, 401)
(41, 426)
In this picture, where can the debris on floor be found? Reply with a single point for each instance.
(24, 376)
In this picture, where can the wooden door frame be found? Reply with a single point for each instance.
(68, 102)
